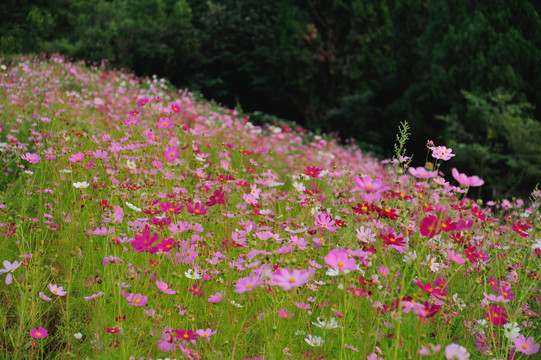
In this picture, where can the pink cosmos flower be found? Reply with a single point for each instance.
(464, 180)
(526, 346)
(442, 153)
(31, 158)
(207, 333)
(323, 220)
(456, 352)
(216, 298)
(137, 299)
(340, 260)
(176, 108)
(247, 284)
(171, 154)
(77, 157)
(103, 231)
(164, 123)
(302, 306)
(287, 280)
(367, 184)
(455, 257)
(38, 333)
(163, 287)
(421, 173)
(93, 296)
(44, 297)
(57, 290)
(285, 314)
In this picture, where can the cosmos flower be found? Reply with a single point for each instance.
(57, 290)
(456, 352)
(287, 279)
(163, 287)
(39, 333)
(466, 181)
(9, 268)
(314, 340)
(526, 346)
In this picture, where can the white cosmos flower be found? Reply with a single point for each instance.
(326, 324)
(511, 330)
(131, 164)
(192, 274)
(314, 340)
(537, 244)
(133, 207)
(65, 171)
(236, 304)
(81, 185)
(299, 186)
(78, 335)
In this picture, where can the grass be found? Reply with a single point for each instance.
(274, 198)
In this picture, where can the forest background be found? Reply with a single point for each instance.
(466, 74)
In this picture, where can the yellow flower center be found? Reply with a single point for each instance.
(291, 279)
(340, 264)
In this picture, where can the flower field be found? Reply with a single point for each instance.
(142, 223)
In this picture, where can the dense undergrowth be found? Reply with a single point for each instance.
(142, 223)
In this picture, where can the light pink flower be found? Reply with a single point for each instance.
(526, 346)
(421, 173)
(287, 280)
(340, 260)
(31, 158)
(456, 352)
(163, 287)
(465, 180)
(247, 284)
(57, 290)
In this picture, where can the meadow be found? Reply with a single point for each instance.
(139, 222)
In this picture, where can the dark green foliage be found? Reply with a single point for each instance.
(356, 67)
(498, 139)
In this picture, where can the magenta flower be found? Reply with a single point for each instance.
(144, 242)
(247, 284)
(497, 315)
(9, 268)
(171, 154)
(456, 352)
(77, 157)
(526, 346)
(464, 180)
(38, 333)
(312, 171)
(163, 287)
(340, 260)
(31, 158)
(285, 314)
(57, 290)
(197, 209)
(287, 280)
